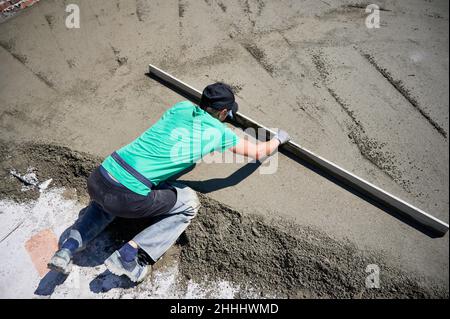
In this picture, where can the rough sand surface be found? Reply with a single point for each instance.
(262, 257)
(375, 101)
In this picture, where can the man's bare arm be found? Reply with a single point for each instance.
(261, 149)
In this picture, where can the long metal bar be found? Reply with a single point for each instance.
(428, 221)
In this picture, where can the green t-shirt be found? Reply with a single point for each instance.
(182, 136)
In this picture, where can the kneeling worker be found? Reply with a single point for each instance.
(131, 182)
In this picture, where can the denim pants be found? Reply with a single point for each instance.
(174, 205)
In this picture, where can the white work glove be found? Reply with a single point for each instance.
(282, 136)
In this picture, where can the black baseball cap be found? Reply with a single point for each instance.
(219, 96)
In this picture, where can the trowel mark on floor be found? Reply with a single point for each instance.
(319, 63)
(370, 149)
(71, 63)
(400, 87)
(364, 6)
(222, 6)
(22, 59)
(45, 79)
(141, 9)
(260, 56)
(346, 109)
(181, 11)
(181, 8)
(121, 60)
(261, 5)
(352, 11)
(235, 87)
(50, 20)
(248, 12)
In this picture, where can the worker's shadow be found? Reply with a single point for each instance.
(49, 282)
(214, 184)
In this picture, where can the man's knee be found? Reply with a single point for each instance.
(193, 202)
(188, 199)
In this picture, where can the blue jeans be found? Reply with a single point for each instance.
(155, 240)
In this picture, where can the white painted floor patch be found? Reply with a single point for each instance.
(20, 279)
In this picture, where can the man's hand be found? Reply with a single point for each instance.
(282, 136)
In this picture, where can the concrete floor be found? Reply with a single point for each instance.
(375, 101)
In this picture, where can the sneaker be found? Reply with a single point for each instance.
(133, 269)
(61, 261)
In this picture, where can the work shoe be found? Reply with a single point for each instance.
(135, 270)
(61, 261)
